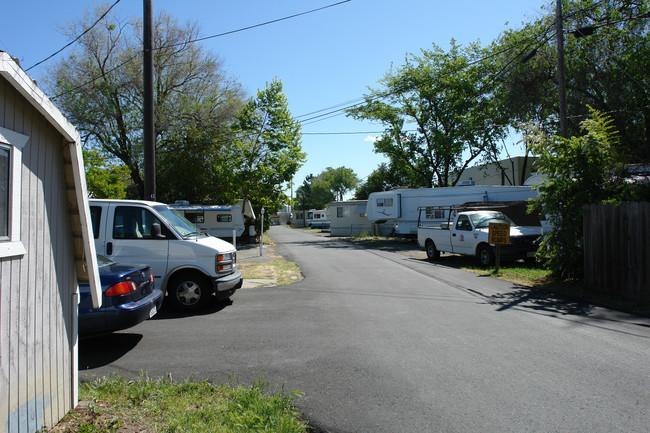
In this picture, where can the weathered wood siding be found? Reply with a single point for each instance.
(37, 304)
(617, 249)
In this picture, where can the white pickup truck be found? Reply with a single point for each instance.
(468, 234)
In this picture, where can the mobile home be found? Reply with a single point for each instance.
(348, 217)
(400, 206)
(216, 220)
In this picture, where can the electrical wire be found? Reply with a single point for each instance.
(179, 44)
(75, 39)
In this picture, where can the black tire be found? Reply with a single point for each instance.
(188, 291)
(485, 255)
(432, 251)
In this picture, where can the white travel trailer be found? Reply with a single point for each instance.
(348, 217)
(317, 219)
(400, 206)
(216, 220)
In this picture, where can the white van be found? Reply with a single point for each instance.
(188, 266)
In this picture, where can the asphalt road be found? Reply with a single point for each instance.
(382, 342)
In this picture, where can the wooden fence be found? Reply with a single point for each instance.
(616, 249)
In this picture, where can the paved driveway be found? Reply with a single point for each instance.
(383, 342)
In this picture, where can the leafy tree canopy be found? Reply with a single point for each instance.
(99, 86)
(264, 149)
(104, 179)
(438, 112)
(607, 56)
(580, 170)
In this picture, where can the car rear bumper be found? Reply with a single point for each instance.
(224, 287)
(123, 316)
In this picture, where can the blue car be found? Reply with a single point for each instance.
(129, 297)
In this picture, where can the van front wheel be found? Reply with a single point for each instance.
(188, 291)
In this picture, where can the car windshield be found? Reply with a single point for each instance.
(104, 261)
(178, 221)
(483, 219)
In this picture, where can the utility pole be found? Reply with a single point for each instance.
(564, 132)
(148, 133)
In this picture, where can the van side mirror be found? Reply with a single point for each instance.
(156, 231)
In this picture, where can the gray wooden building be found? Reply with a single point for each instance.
(46, 249)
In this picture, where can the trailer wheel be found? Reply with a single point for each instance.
(485, 255)
(432, 251)
(188, 291)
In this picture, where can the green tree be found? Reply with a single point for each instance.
(99, 85)
(438, 112)
(265, 149)
(314, 193)
(606, 68)
(104, 179)
(193, 164)
(340, 180)
(579, 170)
(384, 178)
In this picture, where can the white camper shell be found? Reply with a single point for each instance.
(216, 220)
(400, 206)
(317, 219)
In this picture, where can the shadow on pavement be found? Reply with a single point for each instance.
(101, 351)
(214, 306)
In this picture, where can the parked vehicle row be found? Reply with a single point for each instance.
(152, 241)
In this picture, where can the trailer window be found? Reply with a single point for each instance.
(384, 202)
(342, 212)
(434, 214)
(195, 217)
(224, 218)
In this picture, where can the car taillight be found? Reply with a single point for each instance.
(151, 277)
(122, 288)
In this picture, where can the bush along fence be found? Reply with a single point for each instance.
(616, 250)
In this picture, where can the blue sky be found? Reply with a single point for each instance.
(324, 59)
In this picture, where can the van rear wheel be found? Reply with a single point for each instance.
(188, 291)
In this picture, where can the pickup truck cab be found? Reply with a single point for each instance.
(468, 232)
(188, 265)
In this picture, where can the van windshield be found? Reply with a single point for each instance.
(179, 222)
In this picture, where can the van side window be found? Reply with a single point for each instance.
(134, 223)
(224, 218)
(95, 216)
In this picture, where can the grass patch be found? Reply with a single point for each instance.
(280, 270)
(520, 273)
(146, 406)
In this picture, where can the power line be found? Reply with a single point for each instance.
(264, 24)
(179, 44)
(75, 39)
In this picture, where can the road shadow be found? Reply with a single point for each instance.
(540, 300)
(101, 351)
(213, 306)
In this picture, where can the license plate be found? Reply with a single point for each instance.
(153, 311)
